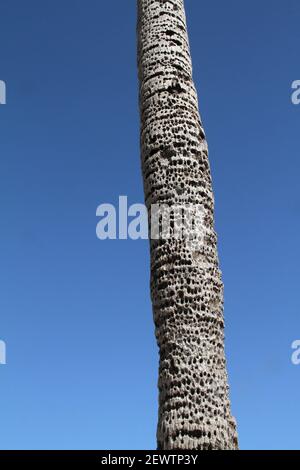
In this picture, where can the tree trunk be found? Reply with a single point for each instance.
(186, 285)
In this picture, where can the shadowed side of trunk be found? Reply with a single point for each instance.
(186, 285)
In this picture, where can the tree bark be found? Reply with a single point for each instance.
(186, 285)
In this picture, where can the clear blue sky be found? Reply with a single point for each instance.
(75, 311)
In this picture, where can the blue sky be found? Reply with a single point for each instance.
(75, 311)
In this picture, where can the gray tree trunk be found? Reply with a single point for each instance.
(186, 285)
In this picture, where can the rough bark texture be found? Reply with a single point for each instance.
(186, 285)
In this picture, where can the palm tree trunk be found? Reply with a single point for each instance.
(186, 285)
